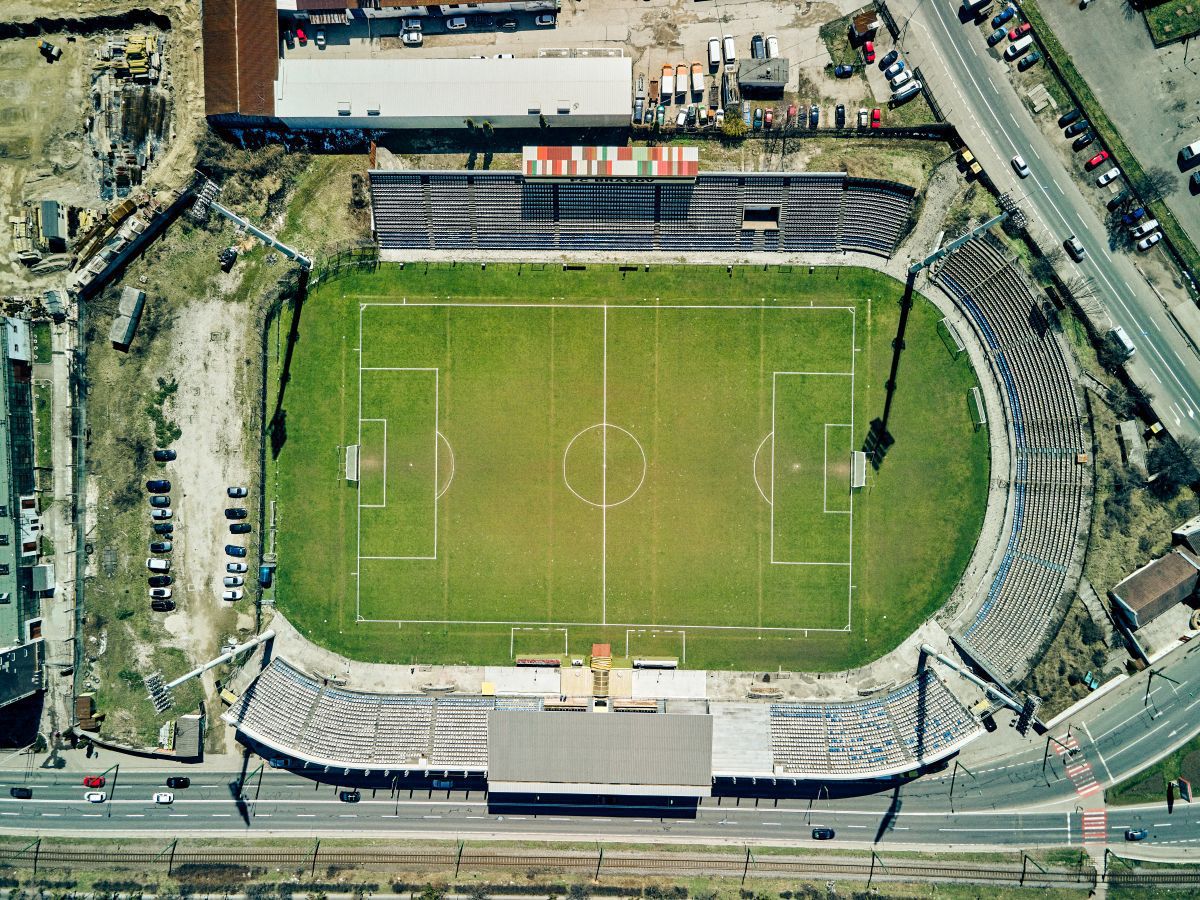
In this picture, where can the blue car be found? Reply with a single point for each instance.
(843, 71)
(235, 550)
(1007, 13)
(746, 113)
(996, 37)
(1130, 217)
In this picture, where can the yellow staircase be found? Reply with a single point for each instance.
(600, 669)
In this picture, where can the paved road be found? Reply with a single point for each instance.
(979, 98)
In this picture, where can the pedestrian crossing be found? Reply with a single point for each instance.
(1078, 769)
(1095, 826)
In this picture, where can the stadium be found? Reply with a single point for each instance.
(588, 462)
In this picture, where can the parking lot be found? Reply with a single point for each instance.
(653, 33)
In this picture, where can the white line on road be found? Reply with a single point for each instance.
(306, 815)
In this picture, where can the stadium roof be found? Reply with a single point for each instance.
(619, 753)
(449, 91)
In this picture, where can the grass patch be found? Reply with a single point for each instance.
(899, 580)
(1150, 784)
(43, 346)
(836, 37)
(1060, 61)
(1078, 647)
(1173, 20)
(43, 419)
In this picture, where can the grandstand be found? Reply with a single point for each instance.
(910, 726)
(1051, 489)
(788, 212)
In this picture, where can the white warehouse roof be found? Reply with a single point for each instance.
(393, 93)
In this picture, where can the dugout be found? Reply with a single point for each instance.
(599, 754)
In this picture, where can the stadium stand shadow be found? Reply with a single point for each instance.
(278, 422)
(576, 805)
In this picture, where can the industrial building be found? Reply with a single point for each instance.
(21, 657)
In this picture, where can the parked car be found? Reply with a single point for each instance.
(638, 110)
(349, 796)
(730, 49)
(545, 20)
(234, 550)
(233, 581)
(1082, 141)
(158, 565)
(20, 793)
(772, 46)
(1136, 834)
(714, 53)
(1132, 217)
(1018, 163)
(163, 593)
(95, 796)
(160, 581)
(894, 69)
(160, 501)
(320, 40)
(1111, 175)
(719, 118)
(843, 71)
(876, 117)
(869, 51)
(507, 23)
(160, 514)
(179, 781)
(301, 36)
(839, 116)
(162, 605)
(93, 781)
(235, 568)
(163, 528)
(747, 113)
(265, 575)
(160, 546)
(458, 23)
(1068, 117)
(1079, 126)
(1148, 242)
(1074, 248)
(864, 118)
(758, 118)
(901, 80)
(996, 37)
(769, 119)
(907, 92)
(163, 798)
(165, 455)
(411, 24)
(814, 116)
(891, 57)
(412, 39)
(758, 47)
(1028, 62)
(1004, 15)
(822, 834)
(232, 594)
(1020, 31)
(1096, 160)
(1145, 228)
(240, 528)
(681, 119)
(236, 512)
(660, 115)
(504, 56)
(289, 39)
(1115, 202)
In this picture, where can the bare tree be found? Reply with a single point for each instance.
(1155, 183)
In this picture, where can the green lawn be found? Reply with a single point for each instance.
(1173, 20)
(1150, 784)
(493, 494)
(43, 398)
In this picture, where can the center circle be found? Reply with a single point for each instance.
(604, 465)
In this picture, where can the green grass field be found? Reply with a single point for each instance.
(618, 456)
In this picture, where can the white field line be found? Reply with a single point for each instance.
(382, 505)
(604, 483)
(853, 369)
(358, 485)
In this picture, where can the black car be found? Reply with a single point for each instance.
(822, 834)
(1076, 128)
(235, 512)
(839, 115)
(691, 116)
(349, 796)
(179, 781)
(758, 47)
(20, 793)
(892, 56)
(1068, 117)
(161, 546)
(814, 116)
(1115, 202)
(168, 455)
(160, 501)
(159, 486)
(160, 580)
(239, 528)
(1083, 140)
(161, 605)
(163, 528)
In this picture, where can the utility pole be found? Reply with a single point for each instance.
(1046, 756)
(953, 778)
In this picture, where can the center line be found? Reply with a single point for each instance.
(604, 485)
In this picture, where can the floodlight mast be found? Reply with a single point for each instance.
(956, 243)
(991, 691)
(224, 657)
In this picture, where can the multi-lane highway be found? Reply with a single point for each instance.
(976, 94)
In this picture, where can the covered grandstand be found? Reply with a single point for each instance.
(1050, 494)
(654, 212)
(906, 728)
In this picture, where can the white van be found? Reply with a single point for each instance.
(1123, 339)
(158, 565)
(1016, 48)
(730, 50)
(909, 90)
(714, 52)
(1145, 228)
(1190, 152)
(900, 80)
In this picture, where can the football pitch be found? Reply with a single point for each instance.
(477, 465)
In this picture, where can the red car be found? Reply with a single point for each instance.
(94, 781)
(301, 36)
(769, 119)
(1100, 157)
(1020, 31)
(876, 115)
(791, 114)
(869, 51)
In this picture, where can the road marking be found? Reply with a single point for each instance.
(348, 816)
(1161, 825)
(85, 815)
(8, 814)
(52, 815)
(1035, 153)
(177, 815)
(430, 817)
(306, 815)
(258, 815)
(1137, 741)
(220, 815)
